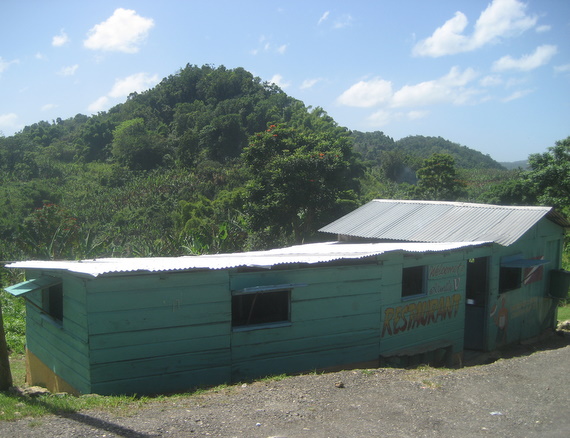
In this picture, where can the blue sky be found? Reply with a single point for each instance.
(493, 75)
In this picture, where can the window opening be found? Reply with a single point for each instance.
(261, 307)
(413, 281)
(53, 301)
(509, 279)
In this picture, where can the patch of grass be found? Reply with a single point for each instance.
(14, 316)
(564, 311)
(14, 405)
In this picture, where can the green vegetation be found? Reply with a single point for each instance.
(213, 160)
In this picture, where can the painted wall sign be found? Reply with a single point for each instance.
(444, 270)
(443, 286)
(413, 315)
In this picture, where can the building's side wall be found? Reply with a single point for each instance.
(58, 348)
(433, 321)
(335, 321)
(159, 333)
(525, 312)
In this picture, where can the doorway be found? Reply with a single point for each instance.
(477, 291)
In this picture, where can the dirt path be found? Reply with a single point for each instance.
(523, 396)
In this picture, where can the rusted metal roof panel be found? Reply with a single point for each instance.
(310, 254)
(435, 221)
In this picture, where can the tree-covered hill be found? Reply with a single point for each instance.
(373, 145)
(211, 160)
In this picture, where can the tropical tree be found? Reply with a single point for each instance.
(299, 181)
(438, 179)
(550, 176)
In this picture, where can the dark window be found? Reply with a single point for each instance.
(509, 279)
(261, 308)
(53, 301)
(477, 278)
(413, 281)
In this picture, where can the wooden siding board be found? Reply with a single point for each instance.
(172, 382)
(156, 367)
(142, 337)
(156, 280)
(56, 354)
(158, 349)
(160, 317)
(301, 362)
(113, 300)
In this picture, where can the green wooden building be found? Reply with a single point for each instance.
(404, 282)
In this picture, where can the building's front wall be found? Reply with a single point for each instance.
(149, 333)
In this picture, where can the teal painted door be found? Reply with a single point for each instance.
(477, 290)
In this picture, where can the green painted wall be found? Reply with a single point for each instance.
(63, 347)
(149, 333)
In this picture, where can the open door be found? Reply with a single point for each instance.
(477, 291)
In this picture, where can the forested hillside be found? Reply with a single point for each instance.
(213, 160)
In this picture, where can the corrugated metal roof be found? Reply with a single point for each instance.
(310, 254)
(437, 221)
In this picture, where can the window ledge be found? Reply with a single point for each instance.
(247, 328)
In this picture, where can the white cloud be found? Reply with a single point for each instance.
(60, 40)
(543, 28)
(562, 68)
(366, 94)
(99, 105)
(40, 56)
(517, 95)
(450, 88)
(501, 19)
(122, 88)
(124, 32)
(310, 83)
(415, 115)
(491, 81)
(541, 56)
(277, 79)
(8, 120)
(323, 17)
(133, 83)
(68, 71)
(281, 49)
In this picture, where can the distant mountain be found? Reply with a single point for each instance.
(371, 145)
(523, 164)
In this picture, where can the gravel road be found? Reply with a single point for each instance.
(521, 396)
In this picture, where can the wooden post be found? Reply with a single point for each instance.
(5, 373)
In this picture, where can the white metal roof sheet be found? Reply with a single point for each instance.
(310, 254)
(438, 221)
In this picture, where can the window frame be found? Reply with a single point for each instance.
(510, 278)
(409, 286)
(253, 296)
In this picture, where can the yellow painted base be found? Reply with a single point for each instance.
(38, 374)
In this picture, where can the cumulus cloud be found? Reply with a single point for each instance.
(68, 71)
(60, 40)
(123, 87)
(451, 88)
(124, 32)
(133, 83)
(278, 80)
(365, 94)
(502, 19)
(541, 56)
(8, 121)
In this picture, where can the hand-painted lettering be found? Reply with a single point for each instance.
(410, 316)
